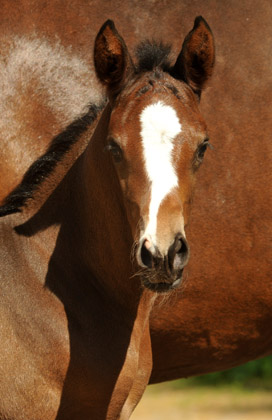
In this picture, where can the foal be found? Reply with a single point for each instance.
(97, 228)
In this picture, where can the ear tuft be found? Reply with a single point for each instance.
(196, 60)
(111, 58)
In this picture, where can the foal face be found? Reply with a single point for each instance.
(157, 139)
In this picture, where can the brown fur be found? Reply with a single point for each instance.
(43, 89)
(222, 315)
(75, 313)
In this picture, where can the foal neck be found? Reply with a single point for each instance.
(103, 232)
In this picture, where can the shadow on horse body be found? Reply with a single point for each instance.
(95, 230)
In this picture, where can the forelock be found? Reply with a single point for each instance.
(152, 55)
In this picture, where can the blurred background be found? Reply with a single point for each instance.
(242, 393)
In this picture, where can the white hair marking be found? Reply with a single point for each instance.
(159, 126)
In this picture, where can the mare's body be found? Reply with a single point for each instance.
(223, 315)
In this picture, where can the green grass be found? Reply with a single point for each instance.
(253, 375)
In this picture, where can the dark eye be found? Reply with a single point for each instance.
(202, 149)
(200, 152)
(115, 151)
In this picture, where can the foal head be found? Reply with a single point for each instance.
(157, 139)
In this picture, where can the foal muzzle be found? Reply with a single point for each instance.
(163, 272)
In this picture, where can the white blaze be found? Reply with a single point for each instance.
(159, 126)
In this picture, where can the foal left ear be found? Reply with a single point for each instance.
(195, 62)
(111, 57)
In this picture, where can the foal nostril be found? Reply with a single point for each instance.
(183, 248)
(176, 259)
(146, 256)
(178, 254)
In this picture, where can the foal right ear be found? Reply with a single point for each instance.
(111, 58)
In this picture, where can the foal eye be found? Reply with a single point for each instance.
(200, 152)
(115, 151)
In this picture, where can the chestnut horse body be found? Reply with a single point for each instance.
(221, 315)
(96, 229)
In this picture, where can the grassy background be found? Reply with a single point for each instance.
(253, 375)
(243, 393)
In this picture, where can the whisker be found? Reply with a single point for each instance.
(136, 242)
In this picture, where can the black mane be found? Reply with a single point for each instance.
(44, 165)
(152, 55)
